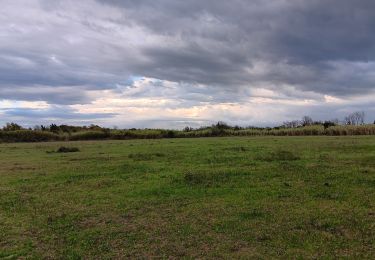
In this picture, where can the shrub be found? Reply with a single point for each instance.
(170, 134)
(64, 149)
(215, 131)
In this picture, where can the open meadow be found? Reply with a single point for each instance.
(230, 197)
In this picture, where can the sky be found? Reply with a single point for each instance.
(171, 64)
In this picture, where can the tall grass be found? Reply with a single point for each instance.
(89, 135)
(28, 136)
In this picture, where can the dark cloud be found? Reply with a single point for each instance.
(53, 113)
(53, 95)
(215, 51)
(301, 43)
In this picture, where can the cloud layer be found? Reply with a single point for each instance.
(169, 63)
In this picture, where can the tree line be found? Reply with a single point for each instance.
(355, 118)
(353, 124)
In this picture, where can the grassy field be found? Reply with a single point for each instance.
(260, 197)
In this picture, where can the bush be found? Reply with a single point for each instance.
(64, 149)
(170, 134)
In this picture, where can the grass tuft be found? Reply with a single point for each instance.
(207, 178)
(280, 155)
(145, 156)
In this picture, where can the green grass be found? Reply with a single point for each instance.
(261, 197)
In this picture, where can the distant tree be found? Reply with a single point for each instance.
(349, 120)
(327, 124)
(286, 124)
(219, 128)
(188, 129)
(360, 117)
(336, 121)
(65, 128)
(292, 124)
(54, 128)
(356, 118)
(171, 134)
(12, 127)
(221, 125)
(95, 127)
(306, 121)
